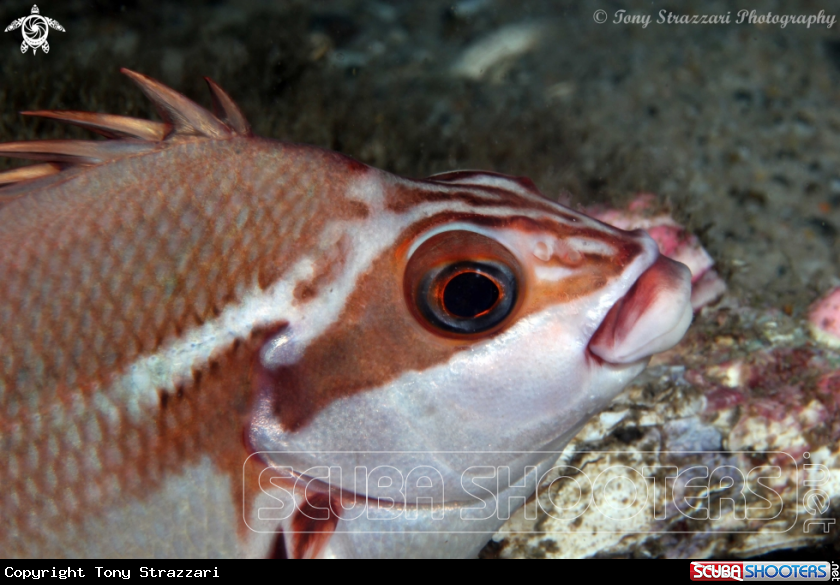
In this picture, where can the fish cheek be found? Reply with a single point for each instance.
(374, 340)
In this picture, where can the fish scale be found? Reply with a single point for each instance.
(186, 311)
(95, 328)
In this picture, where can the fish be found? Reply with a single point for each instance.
(219, 345)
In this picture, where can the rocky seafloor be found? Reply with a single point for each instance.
(734, 127)
(725, 447)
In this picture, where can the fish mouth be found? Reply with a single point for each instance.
(651, 317)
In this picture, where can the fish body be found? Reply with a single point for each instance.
(213, 344)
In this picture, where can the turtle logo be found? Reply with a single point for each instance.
(35, 28)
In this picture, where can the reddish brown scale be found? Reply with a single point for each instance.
(113, 263)
(327, 269)
(191, 258)
(206, 418)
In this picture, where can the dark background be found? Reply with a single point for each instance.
(735, 127)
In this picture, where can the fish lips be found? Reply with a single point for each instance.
(651, 317)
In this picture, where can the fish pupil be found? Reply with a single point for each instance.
(461, 283)
(470, 294)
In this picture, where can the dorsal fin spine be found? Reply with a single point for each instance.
(29, 173)
(108, 124)
(186, 116)
(84, 152)
(182, 117)
(223, 105)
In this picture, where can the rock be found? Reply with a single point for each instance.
(824, 319)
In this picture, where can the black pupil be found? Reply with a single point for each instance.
(470, 294)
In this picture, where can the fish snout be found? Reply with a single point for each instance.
(651, 317)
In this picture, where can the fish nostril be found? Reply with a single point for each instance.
(558, 250)
(543, 250)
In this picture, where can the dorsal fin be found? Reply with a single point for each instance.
(84, 152)
(227, 109)
(186, 116)
(108, 124)
(182, 117)
(29, 173)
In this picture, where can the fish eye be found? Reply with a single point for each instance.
(467, 297)
(462, 283)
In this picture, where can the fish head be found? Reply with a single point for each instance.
(334, 316)
(486, 327)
